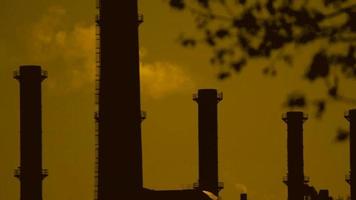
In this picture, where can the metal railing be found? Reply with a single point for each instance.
(285, 118)
(306, 179)
(143, 115)
(17, 172)
(219, 96)
(140, 18)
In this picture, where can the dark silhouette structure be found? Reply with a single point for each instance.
(298, 184)
(119, 114)
(30, 171)
(351, 117)
(119, 161)
(207, 100)
(119, 117)
(243, 196)
(295, 179)
(324, 195)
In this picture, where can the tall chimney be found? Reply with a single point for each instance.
(119, 115)
(351, 117)
(30, 171)
(207, 100)
(295, 179)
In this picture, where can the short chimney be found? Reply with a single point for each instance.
(30, 171)
(295, 179)
(207, 100)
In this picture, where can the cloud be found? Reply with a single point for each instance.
(66, 51)
(159, 79)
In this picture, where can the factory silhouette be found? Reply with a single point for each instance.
(118, 125)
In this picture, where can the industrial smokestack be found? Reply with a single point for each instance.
(207, 100)
(119, 112)
(295, 179)
(351, 117)
(324, 195)
(30, 171)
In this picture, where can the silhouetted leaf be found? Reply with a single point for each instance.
(351, 20)
(238, 65)
(188, 42)
(265, 70)
(223, 75)
(243, 41)
(209, 38)
(213, 61)
(266, 28)
(296, 100)
(241, 1)
(210, 41)
(288, 59)
(178, 4)
(306, 37)
(319, 68)
(320, 106)
(204, 3)
(222, 33)
(348, 62)
(220, 55)
(258, 6)
(333, 2)
(333, 92)
(318, 16)
(351, 56)
(288, 11)
(302, 17)
(269, 70)
(342, 135)
(270, 7)
(248, 21)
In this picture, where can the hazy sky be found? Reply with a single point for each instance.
(60, 36)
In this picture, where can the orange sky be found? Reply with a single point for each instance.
(59, 35)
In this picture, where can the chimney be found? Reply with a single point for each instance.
(30, 172)
(351, 117)
(207, 100)
(119, 113)
(243, 196)
(324, 195)
(295, 178)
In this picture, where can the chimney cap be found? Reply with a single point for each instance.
(30, 69)
(208, 92)
(294, 115)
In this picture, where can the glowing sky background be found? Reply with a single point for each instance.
(60, 36)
